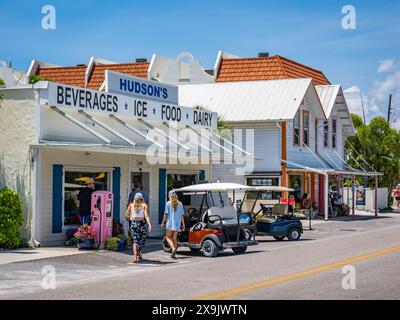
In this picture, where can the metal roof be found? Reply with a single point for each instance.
(327, 95)
(243, 101)
(331, 95)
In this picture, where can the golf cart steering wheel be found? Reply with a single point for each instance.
(214, 218)
(194, 214)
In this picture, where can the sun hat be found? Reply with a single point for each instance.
(138, 196)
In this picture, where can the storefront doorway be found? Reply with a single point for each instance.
(296, 183)
(142, 178)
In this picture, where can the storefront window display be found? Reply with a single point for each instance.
(176, 181)
(73, 183)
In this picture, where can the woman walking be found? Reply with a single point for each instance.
(138, 214)
(173, 220)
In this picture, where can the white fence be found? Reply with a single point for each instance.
(369, 198)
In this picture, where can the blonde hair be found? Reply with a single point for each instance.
(138, 204)
(175, 202)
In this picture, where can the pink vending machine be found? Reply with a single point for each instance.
(102, 216)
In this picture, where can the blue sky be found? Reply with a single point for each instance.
(307, 31)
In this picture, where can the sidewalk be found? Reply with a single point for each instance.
(29, 254)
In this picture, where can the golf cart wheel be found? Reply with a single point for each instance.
(239, 250)
(279, 238)
(165, 245)
(209, 248)
(294, 234)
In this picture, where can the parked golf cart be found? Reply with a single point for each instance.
(277, 220)
(215, 225)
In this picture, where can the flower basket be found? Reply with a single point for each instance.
(85, 237)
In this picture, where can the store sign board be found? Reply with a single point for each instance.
(360, 196)
(120, 83)
(78, 98)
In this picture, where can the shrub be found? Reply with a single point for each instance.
(112, 243)
(2, 83)
(10, 219)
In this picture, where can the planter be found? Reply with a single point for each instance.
(122, 245)
(85, 244)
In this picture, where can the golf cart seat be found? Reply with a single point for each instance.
(227, 214)
(280, 209)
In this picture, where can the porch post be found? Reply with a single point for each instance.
(284, 181)
(376, 196)
(353, 187)
(326, 187)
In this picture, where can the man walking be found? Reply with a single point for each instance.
(85, 201)
(137, 188)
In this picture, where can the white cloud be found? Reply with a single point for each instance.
(376, 100)
(385, 65)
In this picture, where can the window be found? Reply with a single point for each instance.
(176, 181)
(296, 129)
(334, 129)
(326, 133)
(74, 182)
(306, 128)
(263, 181)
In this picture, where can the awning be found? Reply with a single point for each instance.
(330, 171)
(63, 128)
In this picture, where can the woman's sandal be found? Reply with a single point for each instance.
(136, 260)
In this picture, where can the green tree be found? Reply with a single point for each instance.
(379, 145)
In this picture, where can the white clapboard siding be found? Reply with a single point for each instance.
(301, 154)
(267, 149)
(330, 154)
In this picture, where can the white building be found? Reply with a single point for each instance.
(57, 134)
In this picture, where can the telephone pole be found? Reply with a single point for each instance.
(389, 108)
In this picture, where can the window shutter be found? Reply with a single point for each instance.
(202, 176)
(57, 198)
(162, 192)
(116, 189)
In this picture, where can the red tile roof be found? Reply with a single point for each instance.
(137, 69)
(76, 75)
(266, 68)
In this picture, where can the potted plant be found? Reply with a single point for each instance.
(85, 237)
(116, 243)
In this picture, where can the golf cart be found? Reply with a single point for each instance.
(276, 220)
(215, 225)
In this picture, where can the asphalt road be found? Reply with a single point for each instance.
(307, 269)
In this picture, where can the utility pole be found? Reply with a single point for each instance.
(389, 108)
(362, 105)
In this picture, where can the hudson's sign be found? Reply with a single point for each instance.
(137, 87)
(77, 98)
